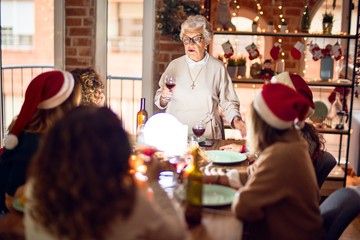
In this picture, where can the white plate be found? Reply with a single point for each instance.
(225, 157)
(217, 195)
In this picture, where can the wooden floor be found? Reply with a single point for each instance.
(352, 232)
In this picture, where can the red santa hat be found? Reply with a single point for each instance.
(297, 83)
(46, 91)
(280, 106)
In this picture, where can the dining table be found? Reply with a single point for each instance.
(220, 222)
(217, 222)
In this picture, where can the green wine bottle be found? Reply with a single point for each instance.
(194, 192)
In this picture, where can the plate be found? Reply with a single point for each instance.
(225, 157)
(217, 195)
(213, 195)
(321, 111)
(17, 205)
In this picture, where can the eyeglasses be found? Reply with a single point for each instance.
(196, 40)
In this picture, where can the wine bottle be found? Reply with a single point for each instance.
(194, 192)
(142, 114)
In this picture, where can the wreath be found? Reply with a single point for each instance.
(172, 14)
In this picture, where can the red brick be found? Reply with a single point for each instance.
(84, 31)
(73, 22)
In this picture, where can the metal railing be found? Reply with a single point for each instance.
(122, 94)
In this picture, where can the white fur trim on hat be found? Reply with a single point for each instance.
(64, 92)
(10, 141)
(283, 78)
(267, 115)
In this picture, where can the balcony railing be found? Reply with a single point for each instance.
(122, 94)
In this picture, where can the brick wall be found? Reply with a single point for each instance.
(80, 22)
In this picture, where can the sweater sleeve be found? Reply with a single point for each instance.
(229, 100)
(251, 203)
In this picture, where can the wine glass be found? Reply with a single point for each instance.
(170, 82)
(198, 129)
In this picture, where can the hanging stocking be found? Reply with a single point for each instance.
(275, 51)
(297, 50)
(228, 49)
(315, 51)
(337, 51)
(253, 51)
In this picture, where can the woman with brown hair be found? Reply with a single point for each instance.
(48, 97)
(80, 187)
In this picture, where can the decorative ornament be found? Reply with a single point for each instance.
(267, 72)
(275, 51)
(253, 51)
(228, 49)
(172, 14)
(337, 51)
(327, 51)
(297, 50)
(315, 51)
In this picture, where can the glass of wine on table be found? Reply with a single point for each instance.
(198, 130)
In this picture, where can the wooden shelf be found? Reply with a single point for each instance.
(278, 34)
(314, 83)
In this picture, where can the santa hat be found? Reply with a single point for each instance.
(280, 106)
(46, 91)
(297, 83)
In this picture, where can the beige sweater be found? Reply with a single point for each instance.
(280, 200)
(213, 89)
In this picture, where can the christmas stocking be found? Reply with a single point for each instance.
(253, 51)
(297, 50)
(275, 51)
(315, 51)
(337, 51)
(228, 49)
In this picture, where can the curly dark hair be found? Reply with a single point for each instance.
(92, 85)
(81, 175)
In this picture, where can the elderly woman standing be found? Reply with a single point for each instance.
(202, 83)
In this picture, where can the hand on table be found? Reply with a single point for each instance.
(234, 148)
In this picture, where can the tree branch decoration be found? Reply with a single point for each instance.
(172, 14)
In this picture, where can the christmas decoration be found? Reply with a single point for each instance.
(172, 14)
(267, 72)
(297, 50)
(315, 51)
(337, 51)
(223, 16)
(340, 91)
(327, 51)
(275, 51)
(305, 20)
(253, 51)
(228, 49)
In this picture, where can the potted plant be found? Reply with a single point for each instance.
(241, 65)
(327, 22)
(232, 67)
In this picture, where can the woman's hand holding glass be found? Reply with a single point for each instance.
(169, 85)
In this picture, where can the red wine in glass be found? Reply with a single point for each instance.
(170, 86)
(198, 130)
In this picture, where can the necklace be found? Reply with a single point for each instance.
(194, 80)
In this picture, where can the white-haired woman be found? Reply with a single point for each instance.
(203, 84)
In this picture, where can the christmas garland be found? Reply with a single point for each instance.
(172, 14)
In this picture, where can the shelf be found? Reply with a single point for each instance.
(268, 34)
(319, 83)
